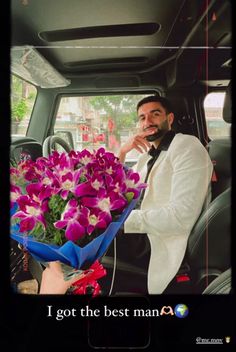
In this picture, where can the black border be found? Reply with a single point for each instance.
(24, 323)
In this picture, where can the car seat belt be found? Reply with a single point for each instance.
(213, 176)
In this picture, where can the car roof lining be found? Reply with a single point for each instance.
(135, 37)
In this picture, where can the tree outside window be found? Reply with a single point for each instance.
(23, 95)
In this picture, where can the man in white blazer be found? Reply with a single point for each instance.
(156, 234)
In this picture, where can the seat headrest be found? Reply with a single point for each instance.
(220, 153)
(227, 108)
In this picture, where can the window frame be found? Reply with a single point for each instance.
(211, 137)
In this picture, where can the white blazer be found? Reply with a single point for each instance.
(177, 187)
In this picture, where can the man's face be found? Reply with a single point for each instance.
(154, 115)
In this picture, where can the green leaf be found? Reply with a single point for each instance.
(129, 196)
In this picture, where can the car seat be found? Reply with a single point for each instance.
(220, 152)
(208, 251)
(221, 285)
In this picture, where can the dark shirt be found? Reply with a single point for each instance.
(164, 144)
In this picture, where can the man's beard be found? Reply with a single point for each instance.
(155, 136)
(162, 130)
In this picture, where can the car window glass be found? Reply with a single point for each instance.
(99, 121)
(23, 95)
(213, 106)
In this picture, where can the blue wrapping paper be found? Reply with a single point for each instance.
(70, 253)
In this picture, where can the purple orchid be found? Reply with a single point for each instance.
(132, 183)
(91, 187)
(14, 175)
(40, 194)
(30, 213)
(15, 194)
(84, 157)
(74, 219)
(33, 206)
(51, 179)
(69, 182)
(17, 176)
(63, 165)
(105, 202)
(33, 173)
(97, 220)
(116, 182)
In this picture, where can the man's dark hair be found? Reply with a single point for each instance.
(165, 103)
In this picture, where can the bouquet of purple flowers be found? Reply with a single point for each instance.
(69, 206)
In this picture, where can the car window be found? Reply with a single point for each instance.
(99, 121)
(213, 106)
(23, 95)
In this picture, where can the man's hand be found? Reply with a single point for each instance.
(53, 280)
(137, 142)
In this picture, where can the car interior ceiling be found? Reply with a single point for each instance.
(181, 49)
(165, 47)
(162, 47)
(153, 43)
